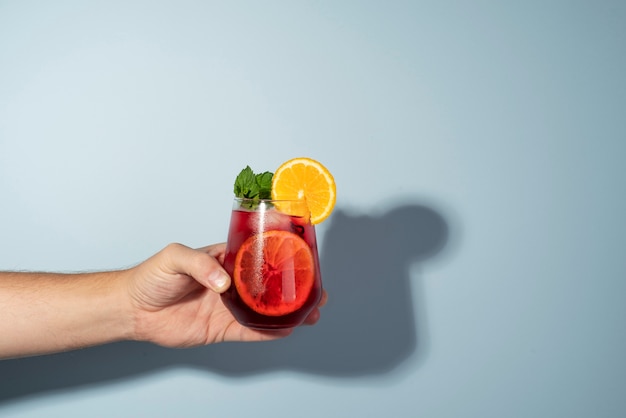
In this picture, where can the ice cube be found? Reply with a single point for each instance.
(269, 219)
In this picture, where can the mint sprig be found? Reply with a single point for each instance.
(249, 185)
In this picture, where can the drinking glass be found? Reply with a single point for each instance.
(271, 256)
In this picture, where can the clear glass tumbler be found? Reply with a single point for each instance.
(271, 255)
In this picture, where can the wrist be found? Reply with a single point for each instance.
(100, 310)
(122, 312)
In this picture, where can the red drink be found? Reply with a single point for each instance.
(273, 260)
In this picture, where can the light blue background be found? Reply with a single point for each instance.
(475, 262)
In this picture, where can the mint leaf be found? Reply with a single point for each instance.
(264, 182)
(245, 184)
(249, 185)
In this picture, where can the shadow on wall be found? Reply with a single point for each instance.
(368, 327)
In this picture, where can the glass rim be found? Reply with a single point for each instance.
(249, 199)
(298, 207)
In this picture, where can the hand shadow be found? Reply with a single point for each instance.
(368, 327)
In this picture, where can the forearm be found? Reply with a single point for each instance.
(44, 312)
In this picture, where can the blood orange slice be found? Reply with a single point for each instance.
(274, 272)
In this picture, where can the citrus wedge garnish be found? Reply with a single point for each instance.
(305, 179)
(274, 272)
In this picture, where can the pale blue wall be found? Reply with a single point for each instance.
(475, 262)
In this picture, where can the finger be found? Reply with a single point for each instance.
(216, 250)
(200, 265)
(271, 335)
(324, 299)
(314, 316)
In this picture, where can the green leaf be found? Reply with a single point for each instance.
(244, 182)
(264, 182)
(249, 185)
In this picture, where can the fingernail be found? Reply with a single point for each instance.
(220, 280)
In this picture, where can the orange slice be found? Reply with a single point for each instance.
(305, 179)
(274, 272)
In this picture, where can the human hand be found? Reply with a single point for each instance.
(175, 299)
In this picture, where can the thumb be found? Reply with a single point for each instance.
(218, 280)
(201, 266)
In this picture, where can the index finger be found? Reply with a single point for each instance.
(216, 251)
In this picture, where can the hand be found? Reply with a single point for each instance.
(176, 300)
